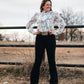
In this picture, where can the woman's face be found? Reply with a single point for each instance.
(47, 6)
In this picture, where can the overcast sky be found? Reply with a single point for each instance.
(18, 12)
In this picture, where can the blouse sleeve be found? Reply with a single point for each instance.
(60, 23)
(29, 26)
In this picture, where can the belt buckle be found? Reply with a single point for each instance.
(44, 33)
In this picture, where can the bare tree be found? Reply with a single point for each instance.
(72, 18)
(1, 37)
(15, 36)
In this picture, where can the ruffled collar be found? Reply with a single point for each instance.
(45, 12)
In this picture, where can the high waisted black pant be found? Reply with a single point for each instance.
(49, 43)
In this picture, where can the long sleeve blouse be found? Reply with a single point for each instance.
(46, 22)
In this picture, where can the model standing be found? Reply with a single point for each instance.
(45, 39)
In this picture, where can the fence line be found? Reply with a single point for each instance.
(18, 45)
(23, 27)
(59, 65)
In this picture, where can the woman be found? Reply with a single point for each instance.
(45, 38)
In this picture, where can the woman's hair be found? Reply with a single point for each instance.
(43, 3)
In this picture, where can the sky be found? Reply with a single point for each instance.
(19, 12)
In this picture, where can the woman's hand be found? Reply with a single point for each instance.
(52, 32)
(37, 32)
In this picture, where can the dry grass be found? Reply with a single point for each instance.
(14, 74)
(21, 74)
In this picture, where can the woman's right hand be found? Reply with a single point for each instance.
(37, 32)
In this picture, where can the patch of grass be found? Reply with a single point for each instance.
(70, 73)
(24, 71)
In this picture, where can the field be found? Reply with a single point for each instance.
(19, 74)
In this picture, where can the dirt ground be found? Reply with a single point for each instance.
(27, 55)
(8, 80)
(63, 55)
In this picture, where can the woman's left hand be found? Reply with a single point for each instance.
(52, 32)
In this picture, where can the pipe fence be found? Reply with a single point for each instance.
(65, 46)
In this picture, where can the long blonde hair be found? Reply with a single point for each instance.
(43, 3)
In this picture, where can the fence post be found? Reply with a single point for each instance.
(71, 34)
(80, 36)
(66, 34)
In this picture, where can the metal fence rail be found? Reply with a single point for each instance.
(18, 45)
(62, 65)
(59, 65)
(23, 27)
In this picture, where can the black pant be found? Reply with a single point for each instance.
(49, 43)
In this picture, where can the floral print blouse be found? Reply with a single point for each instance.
(46, 22)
